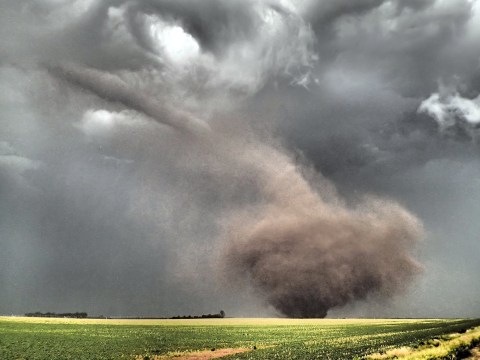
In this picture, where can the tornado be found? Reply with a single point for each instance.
(112, 88)
(306, 253)
(301, 248)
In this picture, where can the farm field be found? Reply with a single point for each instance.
(42, 338)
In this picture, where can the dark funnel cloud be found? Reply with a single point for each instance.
(114, 89)
(265, 157)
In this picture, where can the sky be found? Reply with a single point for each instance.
(263, 157)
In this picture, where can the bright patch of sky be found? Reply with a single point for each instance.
(178, 45)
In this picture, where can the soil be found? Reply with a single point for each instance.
(475, 354)
(196, 355)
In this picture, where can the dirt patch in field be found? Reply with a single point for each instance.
(195, 355)
(475, 354)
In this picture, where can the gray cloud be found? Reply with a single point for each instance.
(105, 210)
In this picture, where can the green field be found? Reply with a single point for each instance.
(41, 338)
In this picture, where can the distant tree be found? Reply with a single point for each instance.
(205, 316)
(80, 315)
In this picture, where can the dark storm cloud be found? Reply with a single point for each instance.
(104, 210)
(409, 46)
(378, 62)
(82, 32)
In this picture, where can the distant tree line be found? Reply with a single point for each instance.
(220, 315)
(77, 315)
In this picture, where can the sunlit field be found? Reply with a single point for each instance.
(46, 338)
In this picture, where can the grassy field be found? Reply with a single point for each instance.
(41, 338)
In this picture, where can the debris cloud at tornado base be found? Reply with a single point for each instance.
(300, 247)
(306, 254)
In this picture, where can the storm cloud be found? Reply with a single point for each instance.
(146, 144)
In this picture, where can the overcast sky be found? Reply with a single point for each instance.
(112, 200)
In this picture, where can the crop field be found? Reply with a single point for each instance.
(42, 338)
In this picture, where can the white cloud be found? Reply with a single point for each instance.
(451, 108)
(178, 45)
(102, 123)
